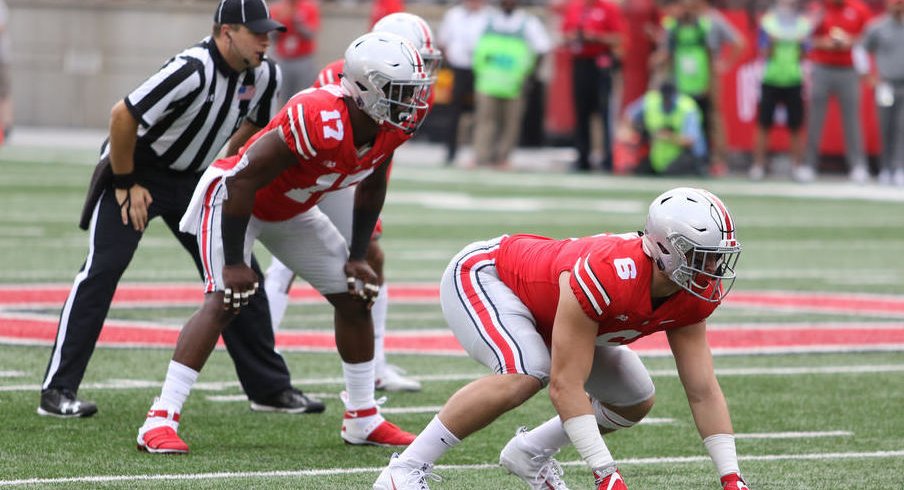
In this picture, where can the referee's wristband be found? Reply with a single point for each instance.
(123, 181)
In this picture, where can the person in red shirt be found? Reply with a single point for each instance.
(338, 207)
(382, 8)
(838, 25)
(322, 141)
(294, 49)
(540, 311)
(592, 32)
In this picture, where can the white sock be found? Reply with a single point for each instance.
(179, 380)
(359, 384)
(430, 444)
(378, 312)
(549, 435)
(277, 282)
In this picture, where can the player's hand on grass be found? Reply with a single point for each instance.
(733, 481)
(362, 280)
(241, 283)
(133, 206)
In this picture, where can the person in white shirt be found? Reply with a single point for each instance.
(458, 34)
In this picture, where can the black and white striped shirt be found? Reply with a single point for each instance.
(190, 108)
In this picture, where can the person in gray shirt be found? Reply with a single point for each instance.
(884, 38)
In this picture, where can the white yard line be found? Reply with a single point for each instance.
(471, 467)
(794, 435)
(120, 384)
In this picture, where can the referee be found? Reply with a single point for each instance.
(162, 137)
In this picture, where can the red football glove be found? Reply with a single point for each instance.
(733, 481)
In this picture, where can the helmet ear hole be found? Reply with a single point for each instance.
(662, 248)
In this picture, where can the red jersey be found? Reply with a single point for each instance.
(848, 18)
(610, 276)
(599, 17)
(316, 127)
(292, 44)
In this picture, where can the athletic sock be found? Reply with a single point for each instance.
(378, 312)
(359, 384)
(549, 435)
(430, 444)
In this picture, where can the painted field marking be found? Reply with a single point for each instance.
(127, 384)
(794, 435)
(471, 467)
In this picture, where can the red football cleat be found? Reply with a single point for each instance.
(162, 440)
(733, 481)
(369, 427)
(609, 480)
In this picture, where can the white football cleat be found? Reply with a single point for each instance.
(401, 476)
(535, 466)
(367, 427)
(390, 378)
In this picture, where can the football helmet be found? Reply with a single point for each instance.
(690, 235)
(384, 74)
(418, 32)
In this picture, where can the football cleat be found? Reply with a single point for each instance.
(401, 476)
(609, 479)
(290, 400)
(535, 466)
(367, 426)
(390, 378)
(161, 440)
(733, 481)
(64, 404)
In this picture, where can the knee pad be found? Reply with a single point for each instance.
(607, 418)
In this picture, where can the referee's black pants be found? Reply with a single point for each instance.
(591, 91)
(248, 338)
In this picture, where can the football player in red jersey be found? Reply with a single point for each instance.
(338, 207)
(323, 140)
(540, 311)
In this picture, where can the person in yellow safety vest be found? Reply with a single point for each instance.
(670, 122)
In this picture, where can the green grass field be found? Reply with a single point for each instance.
(805, 420)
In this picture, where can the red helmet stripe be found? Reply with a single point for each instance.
(428, 43)
(723, 213)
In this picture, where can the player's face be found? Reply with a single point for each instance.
(249, 47)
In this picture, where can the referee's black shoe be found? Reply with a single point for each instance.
(64, 404)
(289, 400)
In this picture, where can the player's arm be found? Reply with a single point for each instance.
(369, 197)
(245, 131)
(573, 337)
(708, 406)
(266, 158)
(133, 199)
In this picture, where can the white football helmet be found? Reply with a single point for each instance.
(691, 237)
(385, 76)
(418, 32)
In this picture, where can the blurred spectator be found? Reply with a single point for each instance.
(382, 8)
(505, 61)
(591, 29)
(783, 31)
(669, 123)
(885, 39)
(294, 50)
(6, 103)
(838, 24)
(459, 31)
(694, 36)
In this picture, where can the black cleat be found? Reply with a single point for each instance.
(64, 404)
(290, 400)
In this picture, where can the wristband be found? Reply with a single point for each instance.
(123, 181)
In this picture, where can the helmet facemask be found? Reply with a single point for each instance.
(706, 272)
(404, 103)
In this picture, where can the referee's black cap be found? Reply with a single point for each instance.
(253, 14)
